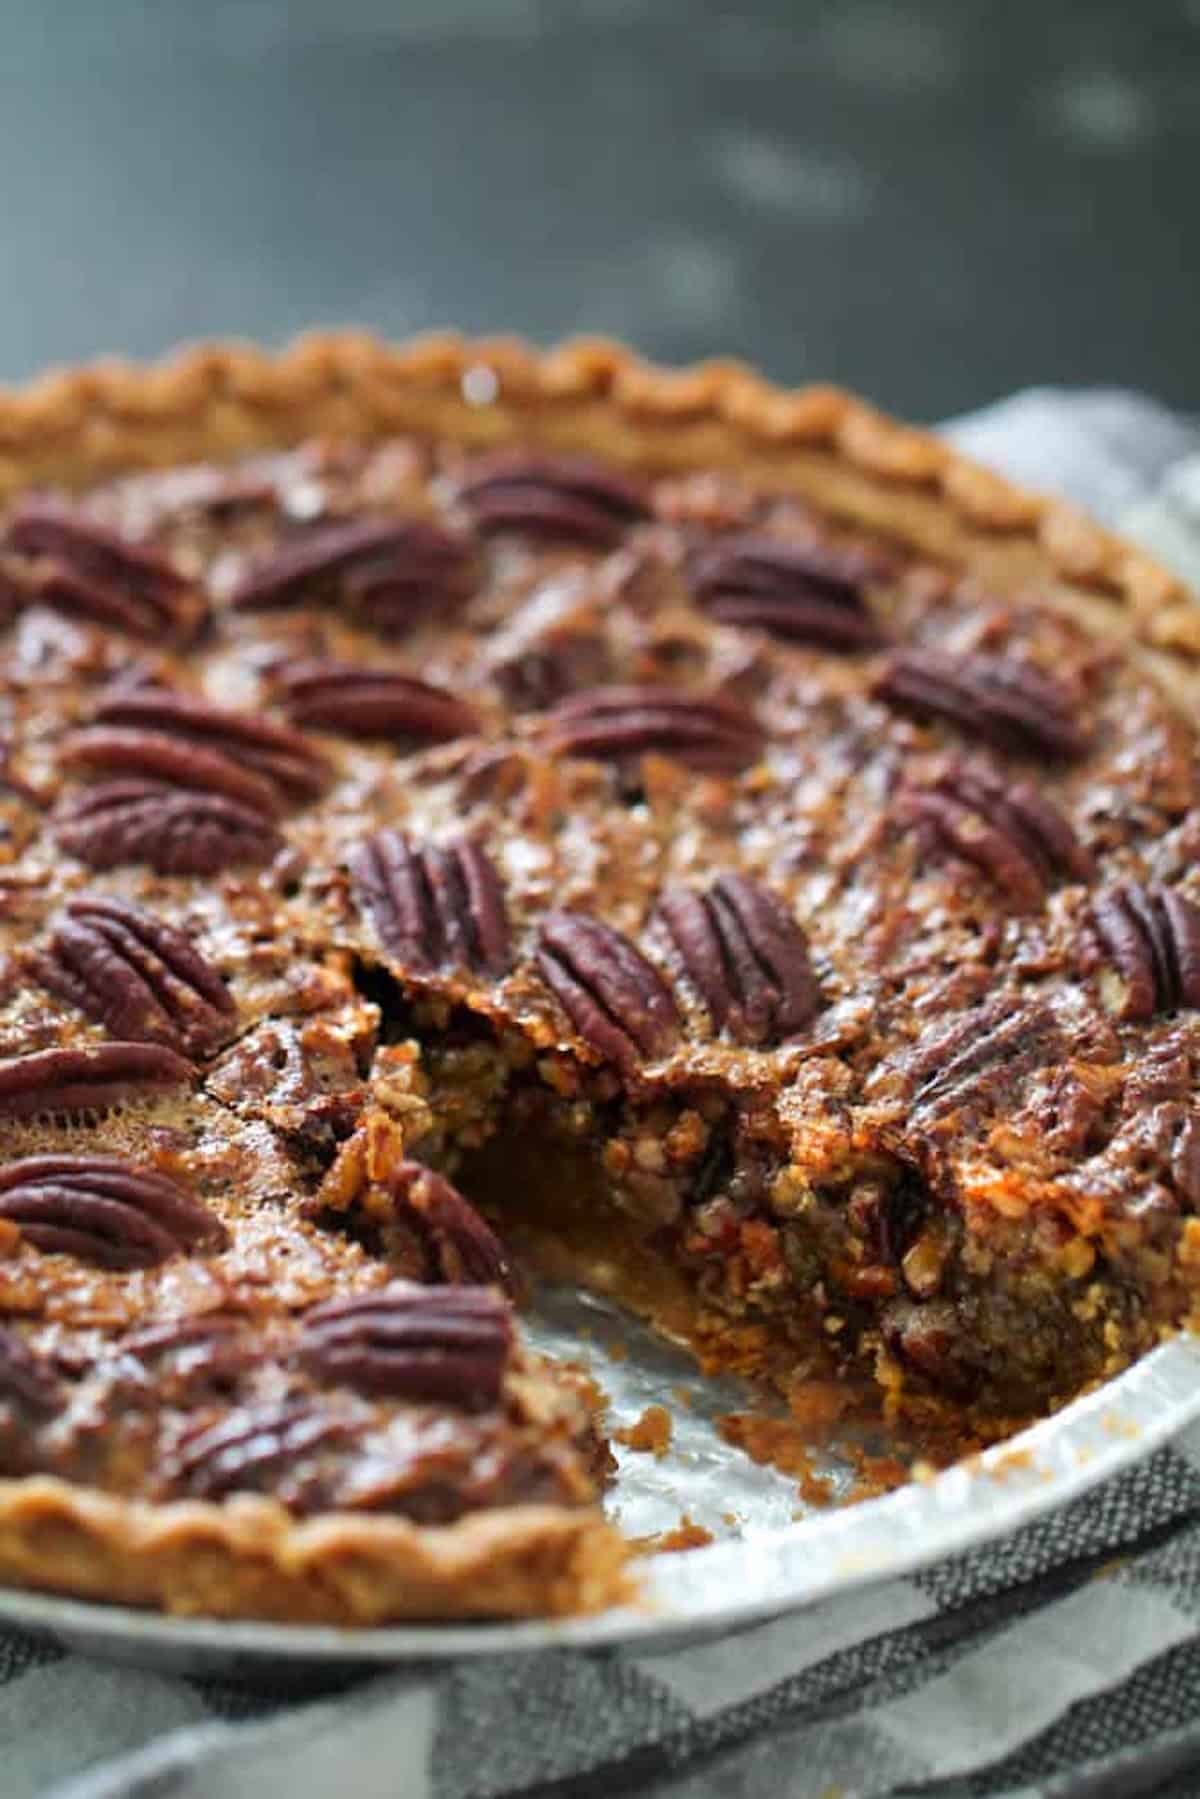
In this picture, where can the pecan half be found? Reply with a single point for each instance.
(362, 701)
(705, 731)
(26, 1381)
(462, 1247)
(154, 756)
(283, 760)
(615, 998)
(812, 593)
(746, 956)
(1006, 828)
(1153, 935)
(104, 1210)
(56, 1081)
(390, 572)
(81, 567)
(253, 1444)
(176, 831)
(1003, 701)
(407, 1342)
(435, 906)
(982, 1056)
(138, 975)
(571, 497)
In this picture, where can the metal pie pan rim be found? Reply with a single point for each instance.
(818, 1558)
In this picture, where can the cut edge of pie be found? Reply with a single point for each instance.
(247, 1556)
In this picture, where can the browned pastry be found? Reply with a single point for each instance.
(453, 798)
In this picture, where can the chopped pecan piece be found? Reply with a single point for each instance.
(12, 598)
(929, 1339)
(1153, 935)
(1161, 1146)
(217, 489)
(1003, 701)
(615, 998)
(138, 975)
(176, 831)
(1185, 1159)
(903, 1210)
(1163, 1071)
(391, 572)
(362, 701)
(746, 956)
(407, 1342)
(26, 1381)
(57, 1081)
(809, 592)
(982, 1055)
(441, 1236)
(253, 1444)
(536, 676)
(463, 1248)
(705, 731)
(553, 496)
(188, 1358)
(554, 644)
(1006, 828)
(81, 567)
(436, 906)
(284, 761)
(104, 1210)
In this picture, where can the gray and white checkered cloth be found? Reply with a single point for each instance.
(1064, 1660)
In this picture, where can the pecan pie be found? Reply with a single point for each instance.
(459, 806)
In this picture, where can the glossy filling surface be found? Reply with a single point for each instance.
(393, 838)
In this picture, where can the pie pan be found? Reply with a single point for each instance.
(897, 484)
(709, 1590)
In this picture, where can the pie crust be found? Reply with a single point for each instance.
(248, 1556)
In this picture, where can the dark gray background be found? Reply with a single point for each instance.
(933, 200)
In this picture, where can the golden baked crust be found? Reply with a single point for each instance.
(247, 1557)
(219, 401)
